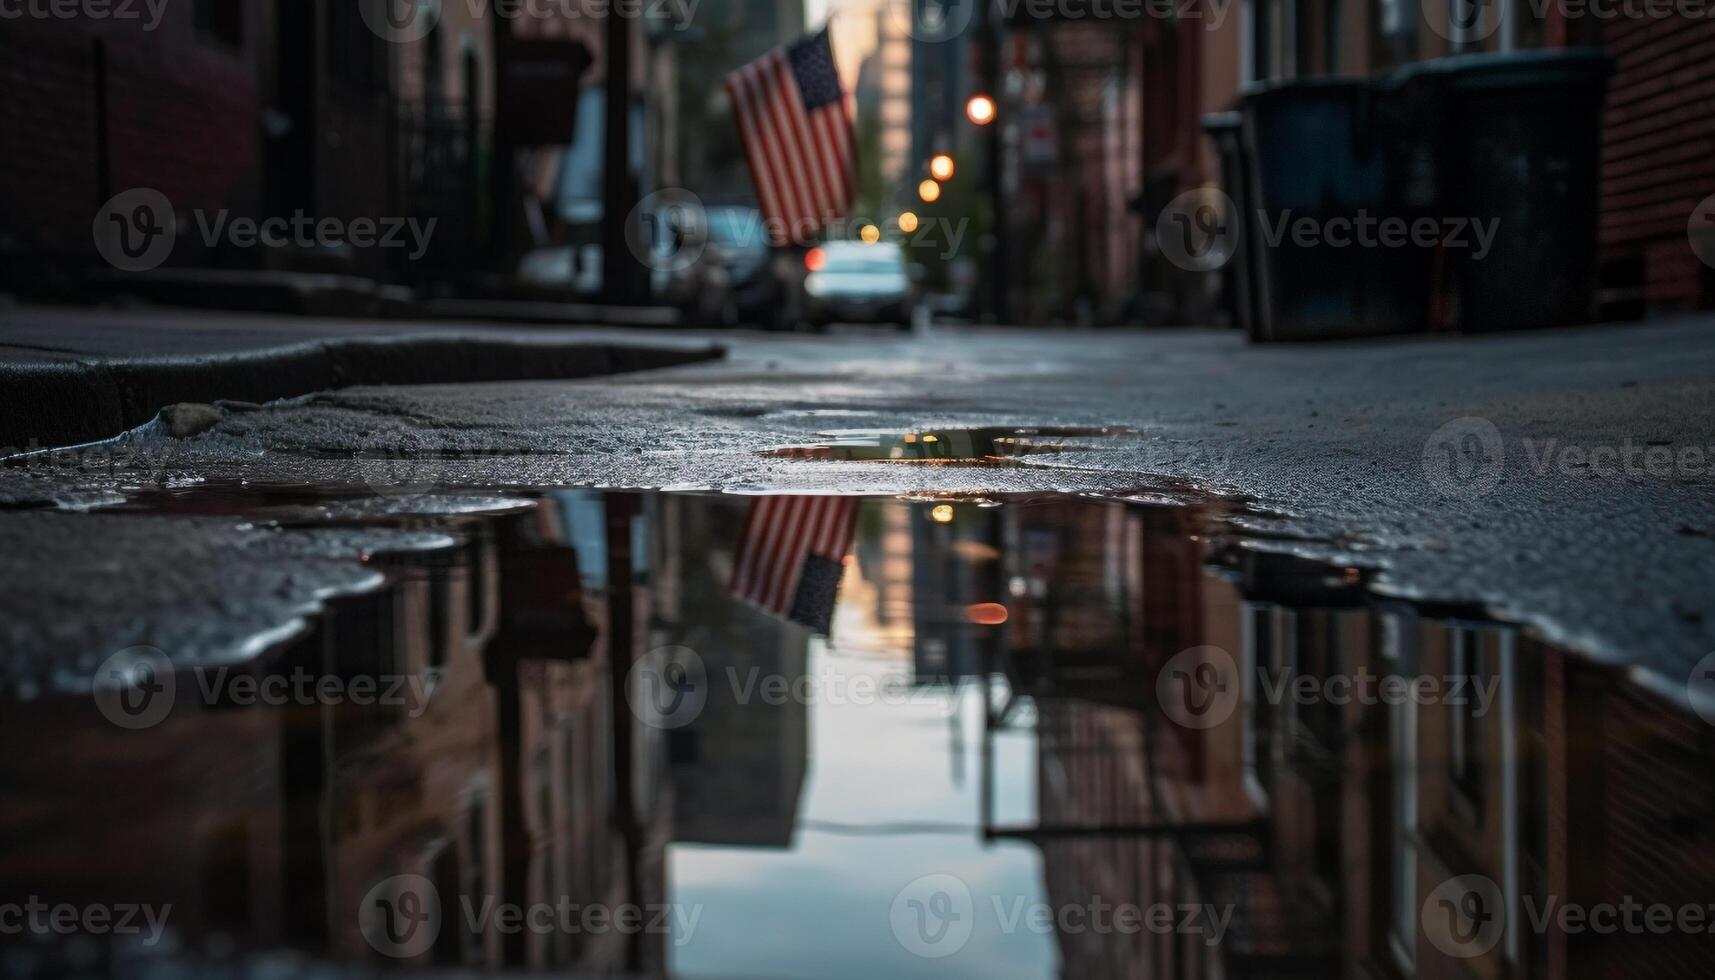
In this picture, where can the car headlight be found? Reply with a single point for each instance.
(814, 286)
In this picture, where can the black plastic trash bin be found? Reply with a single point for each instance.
(1327, 171)
(1521, 154)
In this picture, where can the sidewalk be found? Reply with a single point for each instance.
(78, 375)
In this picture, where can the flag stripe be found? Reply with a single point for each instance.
(802, 140)
(781, 538)
(766, 192)
(767, 144)
(774, 143)
(802, 159)
(782, 568)
(840, 159)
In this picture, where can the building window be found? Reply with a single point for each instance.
(1464, 720)
(222, 20)
(1533, 748)
(1272, 33)
(1332, 34)
(1527, 25)
(473, 875)
(1402, 759)
(1393, 34)
(1316, 654)
(444, 873)
(1259, 711)
(356, 55)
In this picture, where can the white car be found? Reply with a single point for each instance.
(858, 282)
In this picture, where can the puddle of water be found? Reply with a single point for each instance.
(715, 736)
(990, 446)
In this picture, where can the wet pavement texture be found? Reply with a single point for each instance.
(717, 735)
(1558, 479)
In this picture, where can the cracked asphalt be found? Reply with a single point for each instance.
(1565, 480)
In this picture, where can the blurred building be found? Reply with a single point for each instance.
(1327, 827)
(95, 107)
(739, 765)
(271, 110)
(955, 574)
(701, 150)
(515, 779)
(873, 52)
(1102, 129)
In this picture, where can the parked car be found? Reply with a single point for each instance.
(738, 246)
(858, 282)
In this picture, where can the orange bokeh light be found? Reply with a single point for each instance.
(980, 110)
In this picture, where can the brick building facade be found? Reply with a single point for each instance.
(1658, 161)
(95, 107)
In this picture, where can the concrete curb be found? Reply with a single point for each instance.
(50, 399)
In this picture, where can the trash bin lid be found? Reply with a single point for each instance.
(1290, 89)
(1514, 69)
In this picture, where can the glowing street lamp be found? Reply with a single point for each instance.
(929, 191)
(908, 222)
(870, 234)
(941, 166)
(980, 110)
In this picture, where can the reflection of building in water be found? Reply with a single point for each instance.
(738, 767)
(1328, 826)
(1068, 576)
(495, 777)
(882, 553)
(955, 561)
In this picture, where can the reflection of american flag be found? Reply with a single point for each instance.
(797, 134)
(791, 554)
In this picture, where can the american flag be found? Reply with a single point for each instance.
(791, 554)
(797, 134)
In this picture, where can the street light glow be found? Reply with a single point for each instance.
(908, 222)
(929, 191)
(870, 234)
(941, 166)
(980, 110)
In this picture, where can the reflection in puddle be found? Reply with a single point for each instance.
(991, 446)
(717, 736)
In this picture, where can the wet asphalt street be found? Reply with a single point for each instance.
(1563, 480)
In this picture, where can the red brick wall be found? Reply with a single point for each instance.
(182, 118)
(1658, 154)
